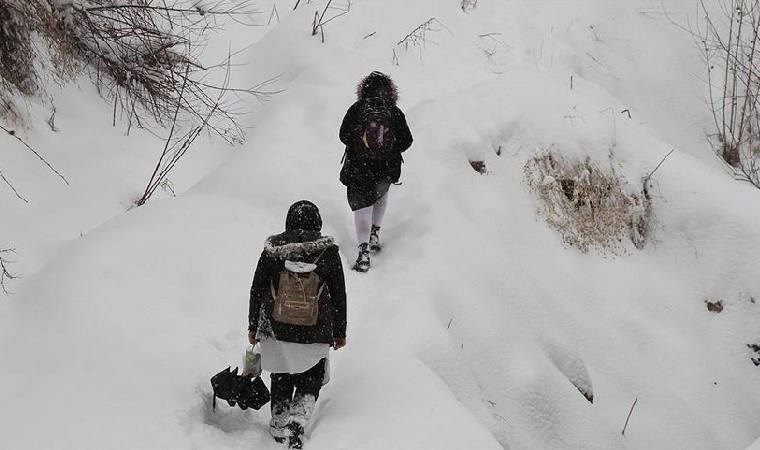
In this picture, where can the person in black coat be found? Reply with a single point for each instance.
(368, 179)
(297, 355)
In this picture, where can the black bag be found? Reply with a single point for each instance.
(239, 390)
(374, 132)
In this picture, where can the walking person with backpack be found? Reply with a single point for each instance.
(375, 133)
(297, 312)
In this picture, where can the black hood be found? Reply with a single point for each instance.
(302, 236)
(377, 85)
(303, 215)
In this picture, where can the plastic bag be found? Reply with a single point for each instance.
(252, 361)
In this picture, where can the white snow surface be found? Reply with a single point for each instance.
(476, 326)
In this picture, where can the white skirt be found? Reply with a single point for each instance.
(290, 357)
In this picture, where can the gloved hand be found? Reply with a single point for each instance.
(338, 343)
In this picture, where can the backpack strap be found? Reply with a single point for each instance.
(320, 256)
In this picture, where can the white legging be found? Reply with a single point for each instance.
(365, 218)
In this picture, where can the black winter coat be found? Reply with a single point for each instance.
(306, 246)
(366, 173)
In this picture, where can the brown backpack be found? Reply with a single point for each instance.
(296, 301)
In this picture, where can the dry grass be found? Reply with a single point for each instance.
(590, 208)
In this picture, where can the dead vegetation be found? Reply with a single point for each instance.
(418, 38)
(138, 53)
(469, 5)
(728, 32)
(715, 307)
(143, 56)
(478, 166)
(590, 208)
(756, 350)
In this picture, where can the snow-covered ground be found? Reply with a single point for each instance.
(475, 321)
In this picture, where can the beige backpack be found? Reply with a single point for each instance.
(296, 301)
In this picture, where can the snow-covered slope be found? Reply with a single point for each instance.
(475, 323)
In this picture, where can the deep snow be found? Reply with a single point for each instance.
(475, 318)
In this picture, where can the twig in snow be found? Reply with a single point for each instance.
(319, 22)
(648, 177)
(629, 416)
(13, 188)
(274, 14)
(318, 19)
(5, 274)
(36, 153)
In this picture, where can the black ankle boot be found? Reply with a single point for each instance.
(362, 261)
(296, 433)
(374, 239)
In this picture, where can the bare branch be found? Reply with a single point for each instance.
(13, 134)
(13, 188)
(629, 416)
(318, 19)
(649, 176)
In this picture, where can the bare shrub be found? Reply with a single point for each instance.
(139, 54)
(588, 207)
(730, 40)
(418, 37)
(142, 55)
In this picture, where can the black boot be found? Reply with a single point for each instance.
(296, 432)
(374, 239)
(362, 261)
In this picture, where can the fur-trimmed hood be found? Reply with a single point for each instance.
(280, 247)
(377, 84)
